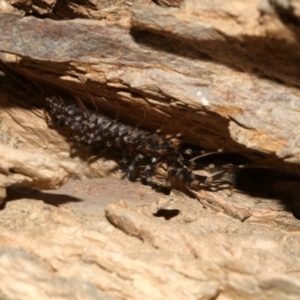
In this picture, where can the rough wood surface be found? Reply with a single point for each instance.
(32, 169)
(214, 105)
(55, 9)
(196, 254)
(224, 73)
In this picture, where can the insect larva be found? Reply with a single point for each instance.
(137, 145)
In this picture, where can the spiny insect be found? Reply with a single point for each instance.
(138, 146)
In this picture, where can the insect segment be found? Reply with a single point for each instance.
(137, 146)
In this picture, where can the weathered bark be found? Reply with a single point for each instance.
(168, 82)
(197, 254)
(32, 169)
(56, 9)
(224, 73)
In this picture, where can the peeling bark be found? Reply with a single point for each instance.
(32, 169)
(206, 99)
(224, 73)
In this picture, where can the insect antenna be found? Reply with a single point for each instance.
(118, 112)
(82, 106)
(93, 102)
(141, 122)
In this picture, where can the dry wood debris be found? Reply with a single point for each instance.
(32, 169)
(222, 72)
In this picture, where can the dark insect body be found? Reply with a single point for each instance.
(137, 146)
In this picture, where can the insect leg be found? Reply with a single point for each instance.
(131, 172)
